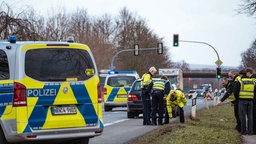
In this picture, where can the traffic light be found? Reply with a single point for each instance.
(160, 48)
(175, 40)
(136, 49)
(218, 73)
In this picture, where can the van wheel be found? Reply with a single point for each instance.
(130, 114)
(107, 108)
(2, 137)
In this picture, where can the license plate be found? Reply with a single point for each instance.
(63, 110)
(122, 96)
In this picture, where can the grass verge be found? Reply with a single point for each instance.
(215, 125)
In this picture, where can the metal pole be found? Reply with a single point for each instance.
(212, 48)
(202, 43)
(126, 50)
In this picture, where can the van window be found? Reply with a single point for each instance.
(58, 64)
(4, 66)
(119, 81)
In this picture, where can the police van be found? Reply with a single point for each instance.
(48, 91)
(116, 88)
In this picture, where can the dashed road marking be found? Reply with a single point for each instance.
(118, 121)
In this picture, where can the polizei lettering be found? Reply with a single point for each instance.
(41, 92)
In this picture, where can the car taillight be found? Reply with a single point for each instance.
(132, 97)
(19, 98)
(99, 94)
(105, 90)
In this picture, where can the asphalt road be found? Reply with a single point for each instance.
(119, 129)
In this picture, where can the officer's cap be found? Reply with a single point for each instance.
(152, 69)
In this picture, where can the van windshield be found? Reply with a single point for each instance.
(52, 64)
(121, 81)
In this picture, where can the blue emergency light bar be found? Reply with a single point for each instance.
(12, 39)
(122, 72)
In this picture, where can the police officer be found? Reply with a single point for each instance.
(236, 78)
(158, 88)
(166, 92)
(250, 74)
(229, 86)
(176, 98)
(146, 80)
(244, 92)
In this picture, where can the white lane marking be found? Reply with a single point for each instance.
(118, 121)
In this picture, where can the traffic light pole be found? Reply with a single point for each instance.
(215, 52)
(127, 50)
(202, 43)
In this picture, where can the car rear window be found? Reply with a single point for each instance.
(60, 64)
(136, 86)
(4, 67)
(119, 81)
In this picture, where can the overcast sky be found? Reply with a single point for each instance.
(212, 21)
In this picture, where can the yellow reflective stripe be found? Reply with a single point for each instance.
(232, 97)
(9, 113)
(44, 45)
(6, 81)
(30, 83)
(52, 121)
(158, 85)
(65, 98)
(21, 118)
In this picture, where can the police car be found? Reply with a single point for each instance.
(116, 88)
(48, 91)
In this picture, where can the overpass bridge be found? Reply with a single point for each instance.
(203, 74)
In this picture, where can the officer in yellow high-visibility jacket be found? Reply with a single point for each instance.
(250, 74)
(229, 86)
(244, 92)
(146, 103)
(176, 98)
(235, 78)
(158, 88)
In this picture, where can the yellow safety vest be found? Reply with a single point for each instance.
(159, 84)
(231, 96)
(246, 88)
(146, 80)
(237, 79)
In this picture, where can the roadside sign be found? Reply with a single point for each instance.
(218, 62)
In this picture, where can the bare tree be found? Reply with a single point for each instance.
(249, 56)
(36, 26)
(57, 26)
(81, 25)
(103, 34)
(248, 7)
(131, 30)
(14, 23)
(181, 65)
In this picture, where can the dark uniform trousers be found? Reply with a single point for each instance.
(157, 106)
(236, 113)
(146, 110)
(254, 117)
